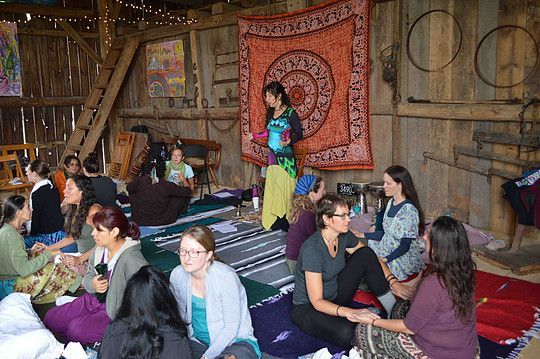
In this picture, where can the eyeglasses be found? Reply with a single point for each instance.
(192, 253)
(342, 216)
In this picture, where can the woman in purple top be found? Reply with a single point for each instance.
(309, 190)
(441, 321)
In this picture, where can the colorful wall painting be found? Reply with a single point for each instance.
(165, 75)
(10, 60)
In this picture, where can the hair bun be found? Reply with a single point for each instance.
(133, 231)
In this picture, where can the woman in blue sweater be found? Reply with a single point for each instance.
(212, 300)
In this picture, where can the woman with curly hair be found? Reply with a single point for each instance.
(81, 199)
(117, 257)
(309, 190)
(441, 321)
(148, 324)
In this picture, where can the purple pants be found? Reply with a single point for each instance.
(84, 320)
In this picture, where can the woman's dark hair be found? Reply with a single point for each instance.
(11, 206)
(69, 158)
(40, 167)
(451, 261)
(275, 88)
(400, 175)
(158, 163)
(91, 163)
(76, 215)
(147, 305)
(110, 218)
(327, 206)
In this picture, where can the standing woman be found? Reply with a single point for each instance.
(85, 319)
(212, 300)
(148, 323)
(403, 222)
(33, 274)
(104, 186)
(441, 322)
(283, 130)
(325, 281)
(81, 201)
(309, 190)
(47, 221)
(72, 166)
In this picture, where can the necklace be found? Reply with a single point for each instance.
(330, 242)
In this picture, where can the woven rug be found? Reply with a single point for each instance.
(278, 336)
(321, 56)
(507, 308)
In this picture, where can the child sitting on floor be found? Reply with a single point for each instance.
(179, 172)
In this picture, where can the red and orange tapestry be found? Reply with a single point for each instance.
(321, 56)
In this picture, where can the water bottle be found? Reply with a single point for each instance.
(255, 196)
(163, 153)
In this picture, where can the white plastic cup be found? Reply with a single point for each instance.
(256, 202)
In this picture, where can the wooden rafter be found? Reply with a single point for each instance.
(55, 33)
(14, 102)
(47, 10)
(80, 41)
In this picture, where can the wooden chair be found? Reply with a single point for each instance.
(19, 150)
(300, 160)
(199, 153)
(5, 182)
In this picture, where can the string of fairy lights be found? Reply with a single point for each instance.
(143, 13)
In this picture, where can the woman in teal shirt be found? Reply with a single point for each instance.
(211, 298)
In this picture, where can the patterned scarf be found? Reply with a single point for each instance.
(181, 167)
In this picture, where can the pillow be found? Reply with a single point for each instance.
(22, 334)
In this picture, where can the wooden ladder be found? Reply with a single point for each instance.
(100, 101)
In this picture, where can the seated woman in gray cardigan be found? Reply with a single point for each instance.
(212, 300)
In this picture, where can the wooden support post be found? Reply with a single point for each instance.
(103, 26)
(80, 41)
(197, 76)
(396, 121)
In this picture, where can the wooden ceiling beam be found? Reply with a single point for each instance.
(80, 41)
(208, 22)
(47, 10)
(55, 33)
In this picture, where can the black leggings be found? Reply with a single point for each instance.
(362, 264)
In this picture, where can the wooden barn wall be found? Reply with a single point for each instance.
(395, 140)
(504, 58)
(51, 66)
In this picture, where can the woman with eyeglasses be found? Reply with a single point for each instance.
(326, 281)
(72, 166)
(212, 300)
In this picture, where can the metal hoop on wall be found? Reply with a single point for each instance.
(409, 55)
(477, 66)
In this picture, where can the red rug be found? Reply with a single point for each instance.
(321, 56)
(506, 307)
